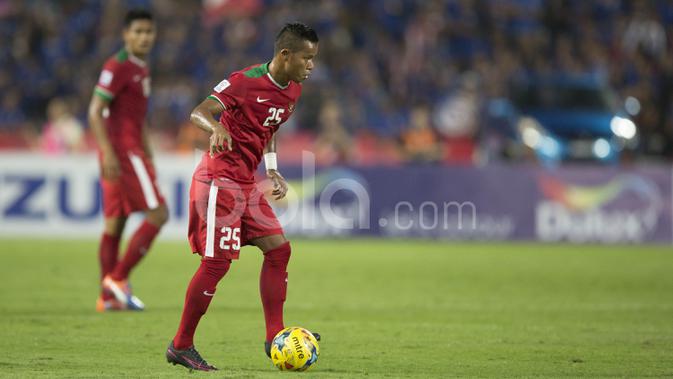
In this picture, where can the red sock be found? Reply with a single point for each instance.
(107, 255)
(273, 287)
(136, 250)
(199, 294)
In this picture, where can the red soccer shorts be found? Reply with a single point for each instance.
(223, 216)
(134, 190)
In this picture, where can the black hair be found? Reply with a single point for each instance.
(136, 14)
(292, 35)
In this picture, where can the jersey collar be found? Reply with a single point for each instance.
(268, 74)
(137, 60)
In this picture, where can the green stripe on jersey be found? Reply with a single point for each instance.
(218, 100)
(122, 55)
(103, 93)
(258, 71)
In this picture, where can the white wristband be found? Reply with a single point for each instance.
(270, 161)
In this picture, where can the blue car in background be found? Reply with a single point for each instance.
(561, 118)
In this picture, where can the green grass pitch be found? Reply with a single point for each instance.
(385, 309)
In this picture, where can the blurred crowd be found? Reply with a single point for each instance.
(395, 81)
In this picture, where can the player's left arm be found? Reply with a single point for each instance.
(271, 163)
(146, 143)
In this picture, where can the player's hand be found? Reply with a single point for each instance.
(219, 140)
(111, 166)
(279, 184)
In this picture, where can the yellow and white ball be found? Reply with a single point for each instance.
(294, 349)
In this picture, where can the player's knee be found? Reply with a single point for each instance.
(216, 268)
(269, 243)
(158, 216)
(114, 227)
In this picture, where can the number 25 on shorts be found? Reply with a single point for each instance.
(230, 234)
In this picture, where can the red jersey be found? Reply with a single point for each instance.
(254, 107)
(125, 83)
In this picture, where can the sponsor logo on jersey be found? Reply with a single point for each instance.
(105, 78)
(222, 86)
(261, 100)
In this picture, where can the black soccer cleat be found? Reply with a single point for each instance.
(267, 348)
(267, 344)
(189, 358)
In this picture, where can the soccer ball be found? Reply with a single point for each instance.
(294, 349)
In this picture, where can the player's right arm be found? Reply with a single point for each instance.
(226, 96)
(203, 116)
(279, 182)
(110, 164)
(113, 79)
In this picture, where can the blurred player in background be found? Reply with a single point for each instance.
(117, 118)
(226, 209)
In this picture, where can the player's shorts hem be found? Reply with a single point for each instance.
(230, 258)
(203, 257)
(120, 213)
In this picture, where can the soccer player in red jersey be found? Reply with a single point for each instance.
(226, 209)
(117, 119)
